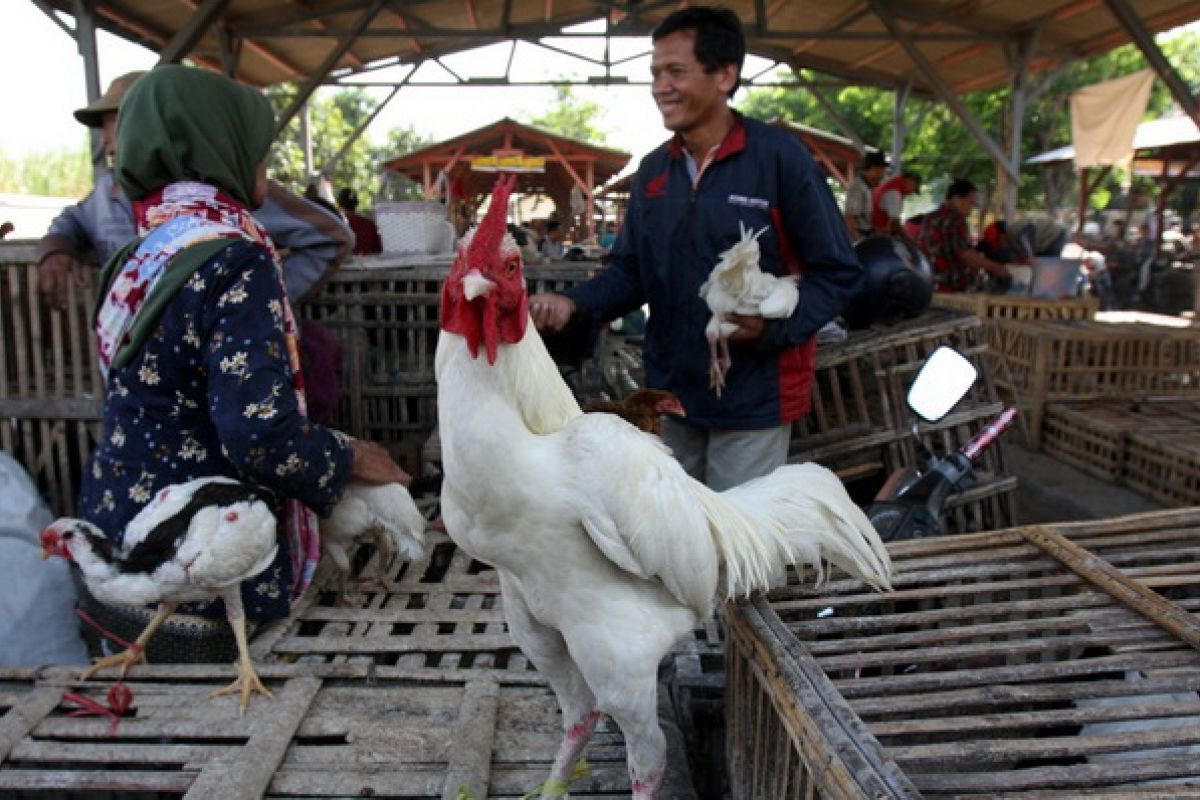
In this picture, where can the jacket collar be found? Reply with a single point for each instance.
(734, 141)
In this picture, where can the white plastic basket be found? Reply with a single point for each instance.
(414, 228)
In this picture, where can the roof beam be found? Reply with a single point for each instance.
(187, 37)
(1132, 23)
(832, 110)
(329, 166)
(943, 90)
(318, 75)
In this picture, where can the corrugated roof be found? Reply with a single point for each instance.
(964, 40)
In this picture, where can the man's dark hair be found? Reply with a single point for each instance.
(552, 225)
(348, 198)
(960, 187)
(719, 40)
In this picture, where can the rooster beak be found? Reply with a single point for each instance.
(475, 285)
(44, 553)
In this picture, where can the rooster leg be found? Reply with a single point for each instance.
(127, 658)
(636, 712)
(247, 680)
(547, 650)
(385, 554)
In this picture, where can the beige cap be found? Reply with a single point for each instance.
(93, 115)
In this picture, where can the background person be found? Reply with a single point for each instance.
(957, 265)
(366, 233)
(553, 248)
(313, 241)
(719, 170)
(857, 209)
(887, 203)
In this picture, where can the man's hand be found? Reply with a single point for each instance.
(750, 329)
(56, 272)
(372, 464)
(551, 311)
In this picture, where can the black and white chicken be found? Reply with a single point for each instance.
(386, 515)
(194, 541)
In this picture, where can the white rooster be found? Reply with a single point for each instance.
(737, 285)
(384, 514)
(606, 551)
(194, 541)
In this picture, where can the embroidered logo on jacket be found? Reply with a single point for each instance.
(657, 187)
(751, 202)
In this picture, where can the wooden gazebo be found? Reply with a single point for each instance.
(544, 162)
(840, 156)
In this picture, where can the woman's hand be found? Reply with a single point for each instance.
(372, 464)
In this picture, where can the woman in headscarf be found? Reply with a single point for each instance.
(196, 338)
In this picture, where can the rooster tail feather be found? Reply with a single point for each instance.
(798, 514)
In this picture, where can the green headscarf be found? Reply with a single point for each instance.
(185, 124)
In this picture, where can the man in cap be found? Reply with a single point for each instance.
(857, 210)
(312, 241)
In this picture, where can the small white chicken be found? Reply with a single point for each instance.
(737, 285)
(384, 514)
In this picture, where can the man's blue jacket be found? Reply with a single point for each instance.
(672, 237)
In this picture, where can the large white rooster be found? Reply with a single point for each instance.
(738, 285)
(607, 552)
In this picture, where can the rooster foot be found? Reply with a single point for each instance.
(247, 682)
(716, 378)
(124, 659)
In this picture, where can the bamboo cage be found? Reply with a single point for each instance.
(1046, 362)
(1094, 435)
(1018, 307)
(384, 313)
(1054, 661)
(50, 392)
(861, 427)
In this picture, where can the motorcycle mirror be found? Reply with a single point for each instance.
(942, 381)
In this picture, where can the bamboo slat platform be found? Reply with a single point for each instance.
(1038, 662)
(320, 736)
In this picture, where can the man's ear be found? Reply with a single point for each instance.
(727, 77)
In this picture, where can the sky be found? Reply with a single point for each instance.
(44, 79)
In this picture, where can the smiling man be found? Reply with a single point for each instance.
(720, 171)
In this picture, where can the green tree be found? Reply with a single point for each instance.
(333, 118)
(572, 116)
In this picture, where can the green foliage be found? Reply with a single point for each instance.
(572, 116)
(333, 118)
(65, 172)
(939, 146)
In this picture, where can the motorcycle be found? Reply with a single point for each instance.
(911, 503)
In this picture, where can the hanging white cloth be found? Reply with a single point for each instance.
(1105, 116)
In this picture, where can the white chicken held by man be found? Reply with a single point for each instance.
(737, 285)
(606, 551)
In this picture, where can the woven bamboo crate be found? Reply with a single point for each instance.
(1164, 464)
(861, 427)
(1093, 435)
(49, 384)
(322, 735)
(1047, 362)
(1018, 307)
(1020, 663)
